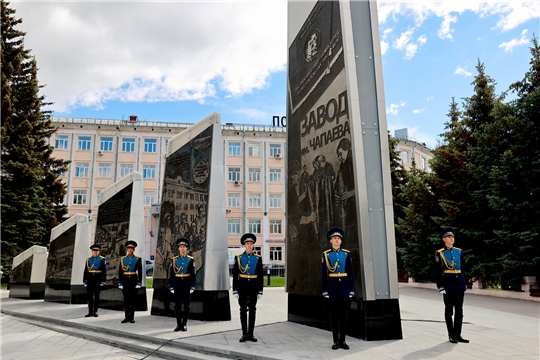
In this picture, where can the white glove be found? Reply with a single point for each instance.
(172, 291)
(84, 284)
(326, 296)
(350, 296)
(101, 284)
(138, 286)
(120, 286)
(191, 291)
(443, 292)
(259, 296)
(235, 294)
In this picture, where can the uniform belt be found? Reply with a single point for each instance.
(338, 275)
(181, 275)
(94, 271)
(248, 276)
(452, 271)
(130, 273)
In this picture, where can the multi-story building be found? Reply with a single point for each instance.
(103, 151)
(412, 151)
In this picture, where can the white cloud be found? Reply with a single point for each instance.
(509, 45)
(394, 108)
(404, 43)
(89, 53)
(429, 98)
(462, 71)
(384, 47)
(421, 39)
(418, 111)
(403, 40)
(445, 32)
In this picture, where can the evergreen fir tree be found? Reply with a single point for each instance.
(32, 192)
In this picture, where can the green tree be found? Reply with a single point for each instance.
(32, 192)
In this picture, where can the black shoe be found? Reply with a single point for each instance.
(344, 345)
(452, 340)
(462, 340)
(95, 315)
(335, 345)
(184, 328)
(177, 328)
(251, 338)
(244, 338)
(132, 321)
(126, 320)
(89, 315)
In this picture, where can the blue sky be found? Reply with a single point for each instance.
(182, 60)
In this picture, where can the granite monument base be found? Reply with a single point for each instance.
(65, 294)
(112, 298)
(368, 320)
(205, 305)
(27, 291)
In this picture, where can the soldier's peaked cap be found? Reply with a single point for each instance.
(448, 231)
(248, 237)
(335, 231)
(131, 243)
(95, 247)
(181, 241)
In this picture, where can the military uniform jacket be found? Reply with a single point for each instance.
(130, 270)
(95, 270)
(248, 273)
(337, 273)
(450, 270)
(182, 274)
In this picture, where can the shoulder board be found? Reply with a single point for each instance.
(103, 257)
(121, 257)
(238, 255)
(176, 257)
(441, 250)
(345, 250)
(326, 251)
(257, 255)
(138, 257)
(458, 249)
(189, 256)
(88, 258)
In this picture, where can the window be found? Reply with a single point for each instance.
(61, 142)
(150, 145)
(254, 226)
(148, 198)
(234, 148)
(423, 163)
(254, 175)
(234, 200)
(128, 145)
(275, 253)
(405, 157)
(275, 175)
(104, 170)
(98, 197)
(81, 170)
(254, 149)
(233, 226)
(79, 197)
(149, 172)
(275, 226)
(84, 143)
(105, 144)
(234, 174)
(254, 200)
(275, 201)
(125, 169)
(257, 250)
(275, 149)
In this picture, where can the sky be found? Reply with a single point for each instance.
(180, 61)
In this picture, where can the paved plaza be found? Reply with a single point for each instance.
(497, 327)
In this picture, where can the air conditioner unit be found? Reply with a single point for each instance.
(100, 152)
(237, 183)
(228, 210)
(277, 156)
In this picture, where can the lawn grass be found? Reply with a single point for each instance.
(149, 282)
(275, 281)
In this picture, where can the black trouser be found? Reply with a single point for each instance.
(451, 301)
(182, 298)
(339, 315)
(93, 290)
(130, 298)
(248, 301)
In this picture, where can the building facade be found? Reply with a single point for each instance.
(103, 151)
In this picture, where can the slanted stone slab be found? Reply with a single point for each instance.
(28, 274)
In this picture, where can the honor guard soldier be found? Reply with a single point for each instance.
(95, 276)
(337, 286)
(248, 284)
(129, 280)
(450, 275)
(182, 282)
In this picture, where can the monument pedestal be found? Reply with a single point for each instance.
(112, 298)
(28, 291)
(368, 320)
